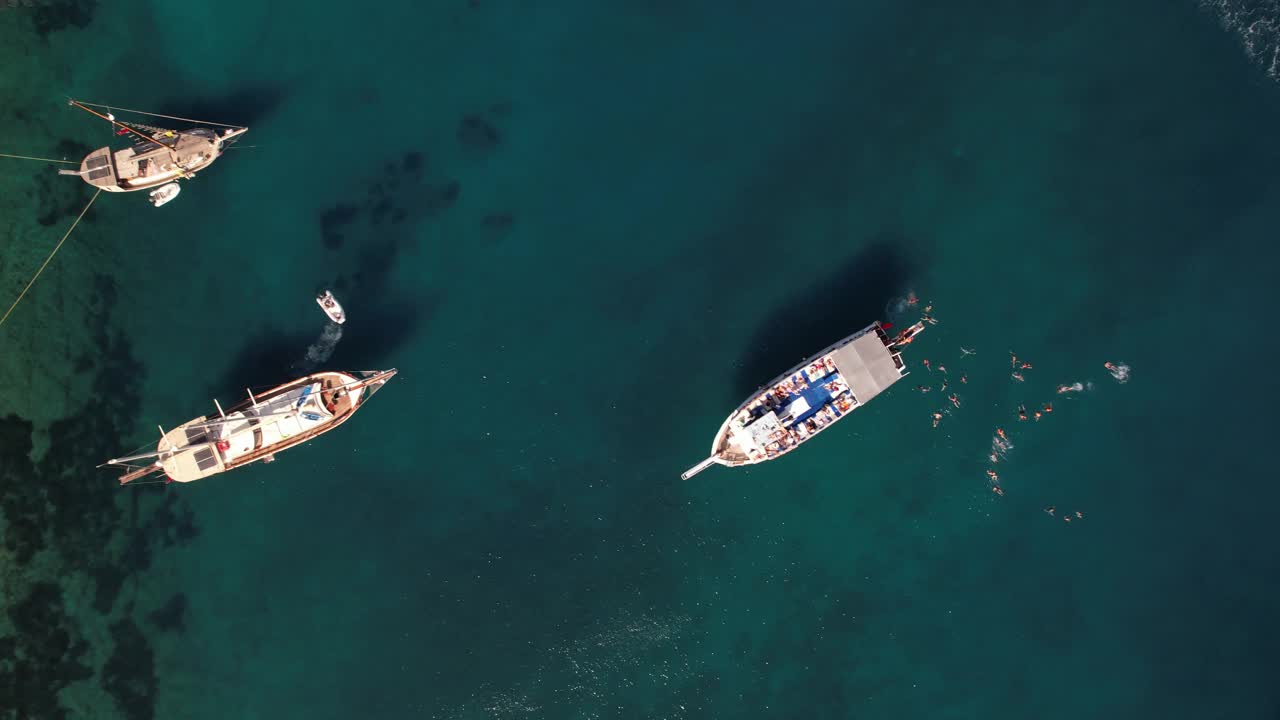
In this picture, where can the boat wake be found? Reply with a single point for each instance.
(579, 679)
(1119, 371)
(1257, 24)
(896, 307)
(999, 447)
(322, 349)
(1075, 388)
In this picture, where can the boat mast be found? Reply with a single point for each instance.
(115, 123)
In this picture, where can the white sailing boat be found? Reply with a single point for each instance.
(256, 428)
(159, 156)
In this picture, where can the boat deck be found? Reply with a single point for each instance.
(213, 444)
(151, 164)
(811, 397)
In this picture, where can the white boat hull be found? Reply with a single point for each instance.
(165, 193)
(329, 304)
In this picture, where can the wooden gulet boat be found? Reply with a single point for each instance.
(802, 402)
(256, 428)
(159, 157)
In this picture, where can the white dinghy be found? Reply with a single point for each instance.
(165, 193)
(330, 305)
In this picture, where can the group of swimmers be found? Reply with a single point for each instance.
(1000, 442)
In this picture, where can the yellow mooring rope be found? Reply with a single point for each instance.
(50, 258)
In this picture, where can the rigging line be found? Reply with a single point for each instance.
(50, 258)
(170, 117)
(28, 157)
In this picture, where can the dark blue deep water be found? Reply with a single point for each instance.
(584, 232)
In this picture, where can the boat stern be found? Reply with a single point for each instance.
(98, 170)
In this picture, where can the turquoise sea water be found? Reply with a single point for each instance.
(584, 233)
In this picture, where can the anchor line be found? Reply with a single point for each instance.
(28, 157)
(50, 258)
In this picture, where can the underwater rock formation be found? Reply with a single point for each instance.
(172, 616)
(476, 133)
(52, 16)
(399, 191)
(56, 197)
(333, 221)
(498, 221)
(23, 510)
(65, 509)
(130, 674)
(42, 658)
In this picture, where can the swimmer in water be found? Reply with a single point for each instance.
(912, 299)
(1048, 407)
(927, 366)
(954, 400)
(944, 386)
(1000, 432)
(1022, 412)
(931, 319)
(1018, 376)
(1050, 509)
(994, 458)
(996, 489)
(928, 308)
(937, 418)
(1066, 518)
(1108, 365)
(923, 388)
(964, 380)
(992, 474)
(1064, 389)
(1119, 371)
(942, 369)
(1037, 416)
(1026, 366)
(1079, 514)
(966, 353)
(1013, 360)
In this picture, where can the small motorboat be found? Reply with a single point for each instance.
(165, 193)
(330, 305)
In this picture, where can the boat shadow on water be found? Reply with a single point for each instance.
(274, 355)
(854, 295)
(248, 106)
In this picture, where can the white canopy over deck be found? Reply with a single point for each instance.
(868, 366)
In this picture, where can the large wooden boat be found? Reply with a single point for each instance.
(257, 428)
(158, 155)
(810, 397)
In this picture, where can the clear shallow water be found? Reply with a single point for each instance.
(648, 213)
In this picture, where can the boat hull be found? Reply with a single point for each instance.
(331, 307)
(802, 402)
(148, 166)
(261, 426)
